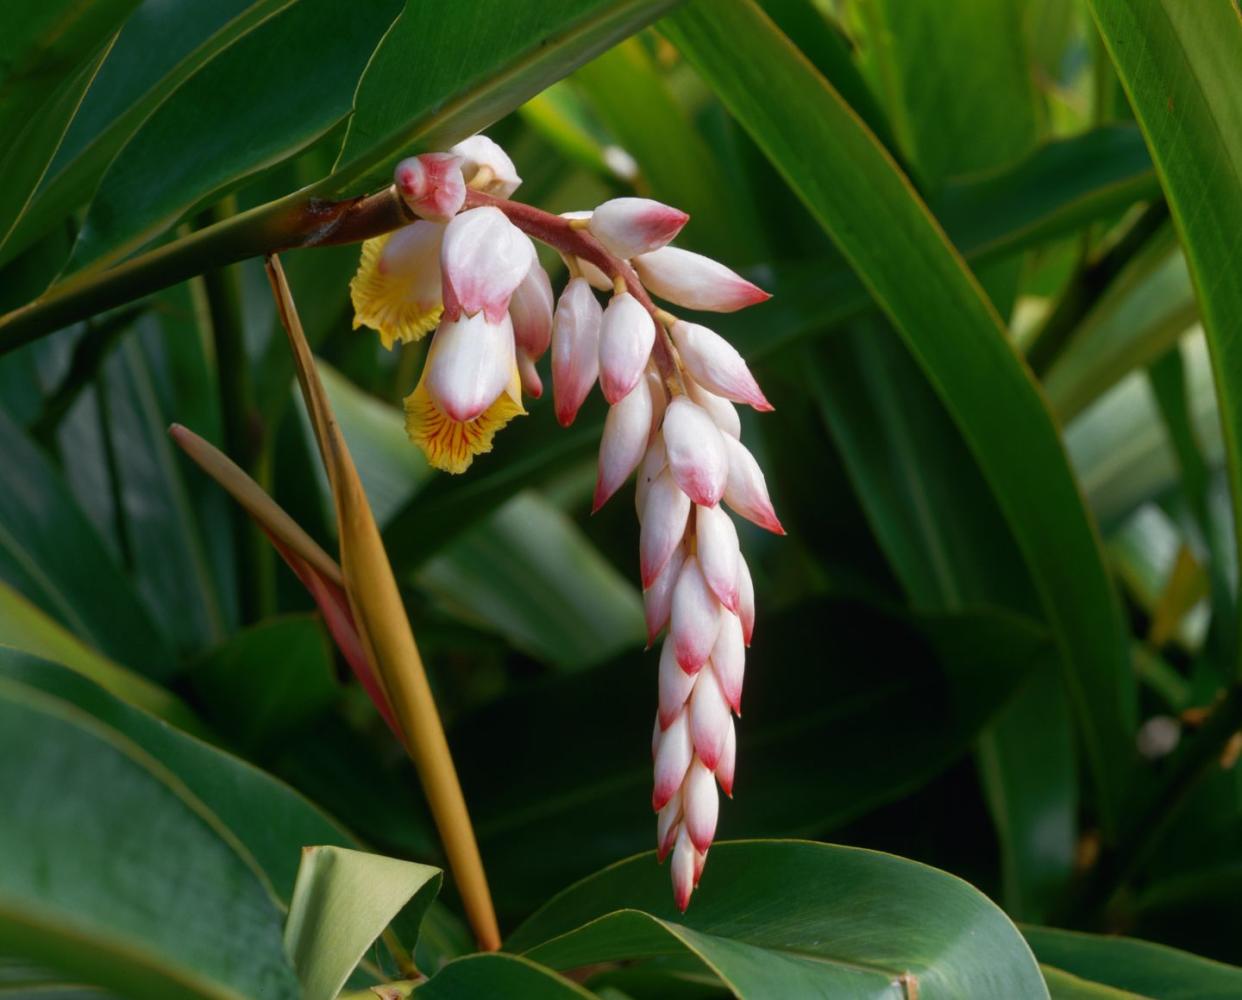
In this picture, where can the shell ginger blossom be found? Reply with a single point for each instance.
(467, 268)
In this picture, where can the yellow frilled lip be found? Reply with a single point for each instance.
(386, 300)
(451, 445)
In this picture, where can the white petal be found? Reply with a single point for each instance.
(709, 719)
(625, 342)
(675, 685)
(469, 365)
(654, 462)
(631, 226)
(722, 412)
(716, 365)
(531, 311)
(480, 151)
(746, 490)
(717, 545)
(695, 617)
(484, 258)
(745, 600)
(684, 868)
(658, 598)
(696, 282)
(696, 452)
(700, 805)
(575, 348)
(626, 430)
(729, 660)
(663, 525)
(672, 758)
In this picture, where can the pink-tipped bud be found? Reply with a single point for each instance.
(696, 282)
(469, 365)
(718, 553)
(432, 185)
(709, 719)
(729, 661)
(479, 151)
(624, 441)
(531, 311)
(700, 862)
(483, 259)
(673, 755)
(654, 462)
(631, 226)
(625, 342)
(694, 621)
(700, 805)
(675, 685)
(658, 598)
(746, 489)
(684, 869)
(723, 413)
(668, 825)
(532, 384)
(696, 452)
(728, 762)
(575, 348)
(716, 365)
(745, 600)
(664, 523)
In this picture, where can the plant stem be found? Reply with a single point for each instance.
(1198, 756)
(1086, 287)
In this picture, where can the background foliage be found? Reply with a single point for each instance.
(1001, 638)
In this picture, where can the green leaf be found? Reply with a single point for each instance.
(263, 99)
(1138, 966)
(157, 50)
(943, 676)
(478, 61)
(48, 57)
(1063, 986)
(1179, 67)
(841, 922)
(50, 552)
(342, 902)
(24, 627)
(126, 879)
(499, 975)
(918, 279)
(267, 681)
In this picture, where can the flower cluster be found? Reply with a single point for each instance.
(468, 269)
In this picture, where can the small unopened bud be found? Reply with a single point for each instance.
(717, 545)
(716, 365)
(575, 348)
(658, 598)
(621, 449)
(663, 525)
(673, 755)
(531, 311)
(695, 619)
(626, 338)
(696, 282)
(631, 226)
(479, 152)
(709, 718)
(746, 490)
(469, 365)
(484, 258)
(696, 452)
(432, 185)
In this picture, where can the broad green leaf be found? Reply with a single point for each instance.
(800, 721)
(50, 553)
(48, 56)
(499, 975)
(1144, 968)
(917, 278)
(478, 61)
(269, 95)
(24, 627)
(1178, 64)
(267, 680)
(837, 922)
(678, 167)
(270, 820)
(1064, 986)
(342, 901)
(17, 974)
(1143, 312)
(125, 879)
(160, 46)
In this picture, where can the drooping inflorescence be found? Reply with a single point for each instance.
(467, 269)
